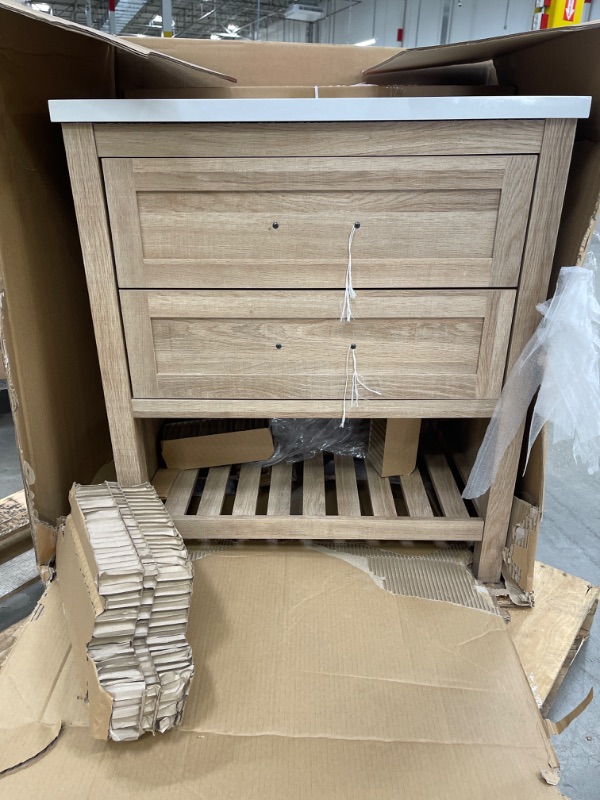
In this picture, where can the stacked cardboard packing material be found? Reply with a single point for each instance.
(139, 578)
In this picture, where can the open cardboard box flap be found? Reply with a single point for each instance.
(45, 321)
(311, 681)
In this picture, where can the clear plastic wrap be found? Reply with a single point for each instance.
(300, 439)
(562, 360)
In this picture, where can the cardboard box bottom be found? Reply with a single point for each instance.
(312, 682)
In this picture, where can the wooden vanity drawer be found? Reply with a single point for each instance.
(425, 222)
(258, 345)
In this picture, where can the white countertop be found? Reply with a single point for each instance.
(341, 109)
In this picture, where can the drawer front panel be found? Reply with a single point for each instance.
(291, 344)
(271, 222)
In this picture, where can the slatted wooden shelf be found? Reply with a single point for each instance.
(327, 497)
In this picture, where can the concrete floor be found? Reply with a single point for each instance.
(570, 540)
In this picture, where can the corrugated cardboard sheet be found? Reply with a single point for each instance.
(312, 682)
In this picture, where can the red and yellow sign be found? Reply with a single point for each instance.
(561, 13)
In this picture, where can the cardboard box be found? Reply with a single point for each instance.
(215, 443)
(314, 680)
(393, 445)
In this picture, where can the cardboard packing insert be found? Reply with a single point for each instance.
(313, 679)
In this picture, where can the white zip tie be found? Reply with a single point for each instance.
(349, 294)
(357, 382)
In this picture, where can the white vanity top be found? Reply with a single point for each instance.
(342, 109)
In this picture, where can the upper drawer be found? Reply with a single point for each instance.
(425, 222)
(291, 345)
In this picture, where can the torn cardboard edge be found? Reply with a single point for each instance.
(335, 650)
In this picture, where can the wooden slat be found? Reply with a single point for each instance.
(225, 409)
(330, 527)
(246, 495)
(346, 489)
(163, 481)
(544, 219)
(180, 493)
(380, 491)
(445, 486)
(313, 489)
(442, 137)
(280, 491)
(127, 436)
(415, 496)
(213, 495)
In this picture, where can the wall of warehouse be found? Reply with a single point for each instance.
(424, 22)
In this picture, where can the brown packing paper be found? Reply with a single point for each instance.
(312, 682)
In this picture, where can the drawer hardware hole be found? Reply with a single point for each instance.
(278, 346)
(275, 225)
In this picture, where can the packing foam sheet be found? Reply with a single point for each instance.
(562, 361)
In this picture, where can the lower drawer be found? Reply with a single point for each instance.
(292, 345)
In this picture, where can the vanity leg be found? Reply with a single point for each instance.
(127, 433)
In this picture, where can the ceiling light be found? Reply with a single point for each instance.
(156, 21)
(366, 43)
(233, 28)
(214, 36)
(45, 7)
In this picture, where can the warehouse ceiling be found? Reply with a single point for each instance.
(192, 19)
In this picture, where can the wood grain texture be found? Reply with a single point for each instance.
(445, 486)
(313, 489)
(123, 213)
(213, 494)
(346, 489)
(201, 222)
(280, 491)
(88, 195)
(319, 139)
(306, 174)
(226, 408)
(246, 494)
(512, 219)
(415, 496)
(238, 345)
(545, 634)
(181, 492)
(139, 340)
(329, 527)
(544, 219)
(380, 492)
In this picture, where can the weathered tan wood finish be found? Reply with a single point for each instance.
(238, 345)
(324, 527)
(193, 207)
(365, 139)
(224, 408)
(127, 434)
(272, 222)
(544, 219)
